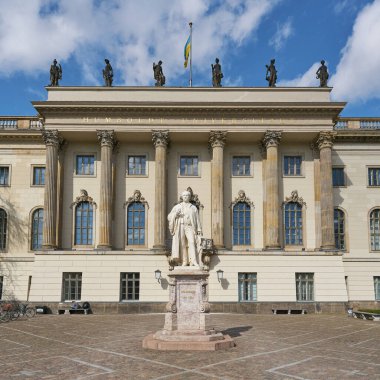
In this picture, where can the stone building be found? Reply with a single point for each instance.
(288, 191)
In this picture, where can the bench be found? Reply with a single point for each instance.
(73, 311)
(289, 311)
(366, 315)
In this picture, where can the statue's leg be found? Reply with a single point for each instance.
(182, 248)
(192, 249)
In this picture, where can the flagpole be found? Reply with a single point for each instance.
(191, 53)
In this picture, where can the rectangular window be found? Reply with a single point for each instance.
(4, 175)
(38, 175)
(247, 287)
(305, 286)
(129, 286)
(85, 165)
(136, 165)
(241, 165)
(292, 165)
(377, 287)
(189, 166)
(72, 286)
(1, 287)
(338, 177)
(373, 176)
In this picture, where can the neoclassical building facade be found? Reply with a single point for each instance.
(288, 191)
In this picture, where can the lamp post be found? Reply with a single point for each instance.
(220, 273)
(157, 275)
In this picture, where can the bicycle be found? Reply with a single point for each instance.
(20, 309)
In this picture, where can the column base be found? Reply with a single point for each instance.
(49, 247)
(160, 247)
(328, 248)
(273, 248)
(104, 247)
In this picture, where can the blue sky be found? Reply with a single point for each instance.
(244, 34)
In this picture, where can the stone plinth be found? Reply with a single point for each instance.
(185, 318)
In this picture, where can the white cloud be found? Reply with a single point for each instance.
(132, 34)
(308, 79)
(357, 75)
(284, 31)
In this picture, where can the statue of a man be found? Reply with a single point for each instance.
(217, 74)
(55, 73)
(271, 74)
(322, 74)
(185, 227)
(108, 74)
(158, 74)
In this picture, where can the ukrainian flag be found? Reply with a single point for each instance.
(186, 51)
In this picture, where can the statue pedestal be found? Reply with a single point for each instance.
(185, 318)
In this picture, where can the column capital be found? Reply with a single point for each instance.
(106, 137)
(325, 139)
(271, 138)
(52, 137)
(217, 139)
(160, 138)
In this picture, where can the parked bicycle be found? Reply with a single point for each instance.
(19, 309)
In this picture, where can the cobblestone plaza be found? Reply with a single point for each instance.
(267, 347)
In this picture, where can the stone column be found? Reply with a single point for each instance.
(271, 141)
(107, 142)
(160, 141)
(325, 143)
(53, 142)
(217, 140)
(317, 194)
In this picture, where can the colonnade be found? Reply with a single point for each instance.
(217, 141)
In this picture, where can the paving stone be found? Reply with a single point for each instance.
(267, 347)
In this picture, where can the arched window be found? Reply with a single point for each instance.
(293, 223)
(136, 223)
(84, 223)
(374, 226)
(3, 228)
(241, 224)
(37, 228)
(339, 229)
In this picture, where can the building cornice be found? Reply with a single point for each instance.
(358, 136)
(21, 135)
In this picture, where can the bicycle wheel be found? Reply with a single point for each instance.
(4, 316)
(14, 314)
(30, 312)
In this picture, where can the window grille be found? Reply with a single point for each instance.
(241, 166)
(374, 221)
(292, 165)
(85, 164)
(3, 229)
(137, 165)
(83, 223)
(189, 165)
(339, 229)
(38, 175)
(241, 224)
(136, 224)
(129, 286)
(305, 286)
(293, 223)
(72, 286)
(247, 287)
(37, 228)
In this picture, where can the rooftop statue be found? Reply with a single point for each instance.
(322, 74)
(158, 74)
(55, 73)
(271, 74)
(108, 74)
(217, 74)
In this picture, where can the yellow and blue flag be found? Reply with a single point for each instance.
(186, 51)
